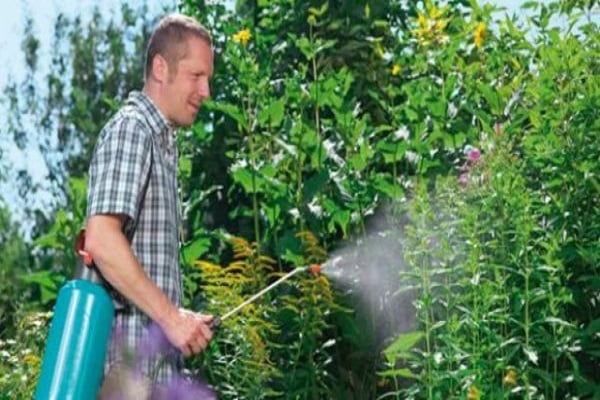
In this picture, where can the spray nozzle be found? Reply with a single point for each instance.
(315, 268)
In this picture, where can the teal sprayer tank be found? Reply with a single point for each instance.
(73, 363)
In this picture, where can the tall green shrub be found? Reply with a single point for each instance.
(524, 234)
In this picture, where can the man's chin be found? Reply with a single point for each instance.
(184, 123)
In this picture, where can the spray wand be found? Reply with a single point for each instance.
(314, 268)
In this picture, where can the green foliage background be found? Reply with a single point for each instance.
(327, 116)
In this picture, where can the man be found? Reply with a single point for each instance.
(133, 224)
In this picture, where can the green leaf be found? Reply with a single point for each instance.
(438, 109)
(400, 372)
(313, 185)
(319, 11)
(392, 152)
(593, 327)
(411, 114)
(229, 109)
(324, 45)
(341, 218)
(48, 283)
(384, 183)
(243, 176)
(493, 99)
(201, 133)
(185, 167)
(360, 160)
(305, 47)
(289, 247)
(272, 115)
(401, 345)
(194, 250)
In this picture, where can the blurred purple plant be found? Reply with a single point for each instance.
(183, 388)
(154, 344)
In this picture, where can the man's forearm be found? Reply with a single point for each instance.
(119, 266)
(187, 331)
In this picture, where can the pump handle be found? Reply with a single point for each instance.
(214, 324)
(79, 245)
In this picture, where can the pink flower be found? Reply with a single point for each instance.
(474, 155)
(463, 179)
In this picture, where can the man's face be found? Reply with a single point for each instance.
(188, 86)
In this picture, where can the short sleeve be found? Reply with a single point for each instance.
(120, 169)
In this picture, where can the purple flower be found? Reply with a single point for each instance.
(463, 179)
(154, 343)
(183, 388)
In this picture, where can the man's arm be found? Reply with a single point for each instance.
(118, 264)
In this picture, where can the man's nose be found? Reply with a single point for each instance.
(204, 89)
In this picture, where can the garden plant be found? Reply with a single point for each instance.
(464, 137)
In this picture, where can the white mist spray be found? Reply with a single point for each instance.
(369, 271)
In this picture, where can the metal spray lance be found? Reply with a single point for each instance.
(314, 268)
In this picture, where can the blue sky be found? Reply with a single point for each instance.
(43, 12)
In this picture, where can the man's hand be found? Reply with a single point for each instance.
(188, 331)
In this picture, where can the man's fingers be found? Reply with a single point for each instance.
(197, 345)
(201, 344)
(185, 349)
(205, 318)
(193, 332)
(205, 331)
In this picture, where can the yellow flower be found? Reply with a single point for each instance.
(431, 25)
(242, 37)
(510, 379)
(479, 35)
(312, 20)
(323, 280)
(473, 393)
(396, 69)
(31, 359)
(433, 11)
(422, 22)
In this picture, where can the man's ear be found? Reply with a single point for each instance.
(160, 68)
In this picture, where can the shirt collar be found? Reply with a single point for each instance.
(157, 121)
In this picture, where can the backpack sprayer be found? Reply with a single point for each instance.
(73, 363)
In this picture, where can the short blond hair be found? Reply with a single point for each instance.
(169, 39)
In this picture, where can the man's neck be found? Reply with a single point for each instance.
(152, 93)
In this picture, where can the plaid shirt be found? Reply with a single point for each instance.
(134, 172)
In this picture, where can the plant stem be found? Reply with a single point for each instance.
(317, 112)
(526, 316)
(428, 347)
(255, 210)
(299, 173)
